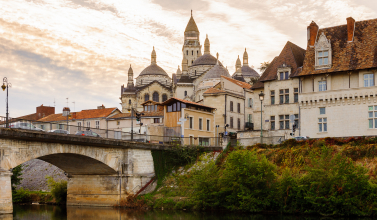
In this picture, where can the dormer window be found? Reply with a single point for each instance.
(283, 72)
(284, 75)
(322, 53)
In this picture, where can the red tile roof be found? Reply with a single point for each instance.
(214, 90)
(359, 54)
(237, 82)
(146, 114)
(292, 56)
(184, 101)
(84, 114)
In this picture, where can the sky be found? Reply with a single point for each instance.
(51, 50)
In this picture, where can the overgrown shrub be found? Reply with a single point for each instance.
(15, 178)
(58, 189)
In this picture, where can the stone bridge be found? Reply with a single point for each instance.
(100, 171)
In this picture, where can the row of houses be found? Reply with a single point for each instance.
(327, 89)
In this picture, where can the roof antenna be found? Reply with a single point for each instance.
(74, 106)
(54, 102)
(67, 102)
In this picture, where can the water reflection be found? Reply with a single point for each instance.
(47, 212)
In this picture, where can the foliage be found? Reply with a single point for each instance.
(25, 196)
(132, 202)
(58, 189)
(168, 160)
(264, 66)
(16, 179)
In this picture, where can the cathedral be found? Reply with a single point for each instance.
(200, 71)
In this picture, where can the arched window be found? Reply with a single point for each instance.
(185, 93)
(146, 97)
(129, 101)
(155, 97)
(164, 97)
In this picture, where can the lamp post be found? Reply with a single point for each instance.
(6, 85)
(217, 135)
(261, 97)
(131, 109)
(66, 112)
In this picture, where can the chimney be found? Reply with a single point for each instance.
(312, 33)
(73, 115)
(101, 107)
(350, 29)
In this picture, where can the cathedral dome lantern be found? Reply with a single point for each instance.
(206, 45)
(238, 63)
(130, 76)
(245, 58)
(153, 57)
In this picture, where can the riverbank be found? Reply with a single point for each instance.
(328, 177)
(23, 196)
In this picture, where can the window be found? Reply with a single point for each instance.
(372, 116)
(146, 97)
(185, 93)
(322, 111)
(250, 118)
(272, 119)
(200, 124)
(186, 52)
(208, 128)
(129, 101)
(322, 124)
(192, 52)
(191, 122)
(156, 120)
(231, 122)
(295, 90)
(88, 124)
(322, 86)
(368, 80)
(272, 97)
(156, 98)
(164, 97)
(239, 107)
(79, 126)
(97, 124)
(284, 96)
(197, 52)
(231, 106)
(239, 124)
(203, 141)
(118, 122)
(195, 72)
(42, 127)
(284, 75)
(323, 57)
(284, 122)
(250, 103)
(191, 140)
(61, 126)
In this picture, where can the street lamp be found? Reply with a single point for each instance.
(261, 97)
(66, 112)
(6, 85)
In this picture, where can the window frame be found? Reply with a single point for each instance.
(295, 95)
(97, 124)
(231, 122)
(191, 122)
(322, 85)
(369, 82)
(272, 94)
(231, 106)
(208, 124)
(272, 123)
(322, 124)
(372, 117)
(238, 107)
(200, 123)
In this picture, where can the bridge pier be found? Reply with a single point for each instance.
(95, 190)
(6, 206)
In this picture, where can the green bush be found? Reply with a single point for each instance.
(16, 179)
(21, 196)
(58, 189)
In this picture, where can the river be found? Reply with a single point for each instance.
(47, 212)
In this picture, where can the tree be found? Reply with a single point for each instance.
(264, 66)
(16, 179)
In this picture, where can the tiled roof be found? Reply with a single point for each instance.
(184, 101)
(291, 55)
(213, 90)
(146, 114)
(30, 117)
(84, 114)
(361, 53)
(239, 83)
(185, 78)
(191, 25)
(153, 69)
(151, 101)
(206, 59)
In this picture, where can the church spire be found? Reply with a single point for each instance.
(245, 58)
(238, 63)
(130, 77)
(153, 57)
(206, 45)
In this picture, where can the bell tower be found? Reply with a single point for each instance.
(130, 77)
(191, 47)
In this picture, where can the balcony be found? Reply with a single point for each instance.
(249, 125)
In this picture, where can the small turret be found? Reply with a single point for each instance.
(130, 76)
(245, 58)
(153, 57)
(238, 63)
(206, 46)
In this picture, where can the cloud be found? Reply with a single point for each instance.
(82, 49)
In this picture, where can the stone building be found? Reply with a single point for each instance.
(338, 92)
(280, 86)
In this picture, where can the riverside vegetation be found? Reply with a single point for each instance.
(57, 194)
(329, 177)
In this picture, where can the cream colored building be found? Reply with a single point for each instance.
(338, 94)
(280, 86)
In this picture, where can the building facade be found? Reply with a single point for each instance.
(338, 92)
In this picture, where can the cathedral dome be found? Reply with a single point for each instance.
(216, 72)
(249, 72)
(206, 59)
(153, 69)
